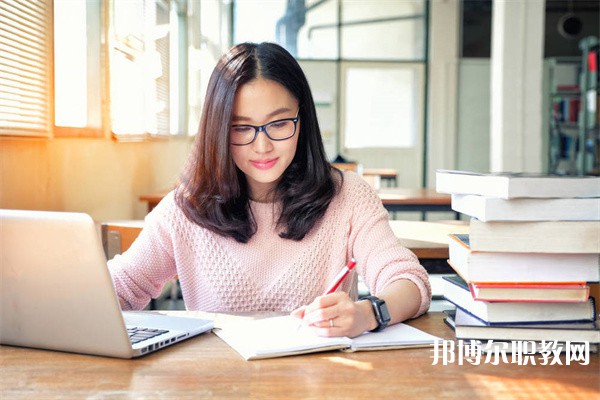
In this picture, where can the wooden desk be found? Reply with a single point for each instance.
(415, 199)
(427, 239)
(153, 199)
(388, 175)
(117, 236)
(205, 367)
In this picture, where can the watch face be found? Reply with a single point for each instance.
(385, 314)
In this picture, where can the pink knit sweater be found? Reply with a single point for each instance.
(268, 273)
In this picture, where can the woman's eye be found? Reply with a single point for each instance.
(241, 129)
(278, 125)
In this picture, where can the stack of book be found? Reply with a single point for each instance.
(525, 269)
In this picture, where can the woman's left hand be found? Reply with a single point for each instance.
(336, 314)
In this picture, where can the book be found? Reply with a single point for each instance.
(535, 236)
(530, 347)
(511, 346)
(535, 292)
(449, 318)
(286, 336)
(456, 291)
(481, 266)
(468, 327)
(495, 209)
(509, 185)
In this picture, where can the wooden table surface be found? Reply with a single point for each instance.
(205, 367)
(419, 196)
(427, 239)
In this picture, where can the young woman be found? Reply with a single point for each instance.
(260, 221)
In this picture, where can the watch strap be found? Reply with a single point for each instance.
(380, 310)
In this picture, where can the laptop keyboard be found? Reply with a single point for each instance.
(137, 335)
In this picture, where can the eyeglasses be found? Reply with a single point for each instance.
(281, 129)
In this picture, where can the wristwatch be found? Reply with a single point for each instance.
(382, 315)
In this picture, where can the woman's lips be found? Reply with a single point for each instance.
(264, 164)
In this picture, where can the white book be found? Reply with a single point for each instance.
(513, 185)
(535, 236)
(486, 208)
(481, 266)
(286, 336)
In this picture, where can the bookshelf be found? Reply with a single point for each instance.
(588, 154)
(564, 109)
(574, 137)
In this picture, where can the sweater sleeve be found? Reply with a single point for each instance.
(141, 272)
(381, 257)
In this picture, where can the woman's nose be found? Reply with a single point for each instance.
(262, 143)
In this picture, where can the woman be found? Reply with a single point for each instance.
(260, 221)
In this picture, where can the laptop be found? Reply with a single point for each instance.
(56, 292)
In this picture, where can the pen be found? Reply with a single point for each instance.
(339, 278)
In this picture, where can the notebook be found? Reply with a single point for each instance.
(286, 336)
(56, 292)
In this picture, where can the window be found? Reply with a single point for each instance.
(77, 68)
(385, 97)
(25, 96)
(147, 87)
(90, 67)
(307, 29)
(379, 48)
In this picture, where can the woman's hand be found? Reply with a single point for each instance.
(337, 315)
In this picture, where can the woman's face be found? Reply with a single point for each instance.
(263, 161)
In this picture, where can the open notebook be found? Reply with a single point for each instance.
(286, 336)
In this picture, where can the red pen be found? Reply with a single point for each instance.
(339, 278)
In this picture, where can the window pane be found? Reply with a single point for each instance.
(209, 36)
(318, 37)
(307, 29)
(255, 20)
(391, 30)
(380, 106)
(143, 67)
(70, 63)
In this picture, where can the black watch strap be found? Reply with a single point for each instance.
(380, 310)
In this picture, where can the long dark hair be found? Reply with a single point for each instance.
(213, 192)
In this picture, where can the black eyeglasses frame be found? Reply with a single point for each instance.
(263, 128)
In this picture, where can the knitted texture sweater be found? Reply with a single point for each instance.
(218, 274)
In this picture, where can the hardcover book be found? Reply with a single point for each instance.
(495, 209)
(510, 185)
(531, 292)
(467, 326)
(482, 266)
(535, 237)
(456, 291)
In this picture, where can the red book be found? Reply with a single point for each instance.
(592, 61)
(574, 105)
(563, 292)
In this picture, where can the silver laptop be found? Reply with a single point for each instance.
(56, 292)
